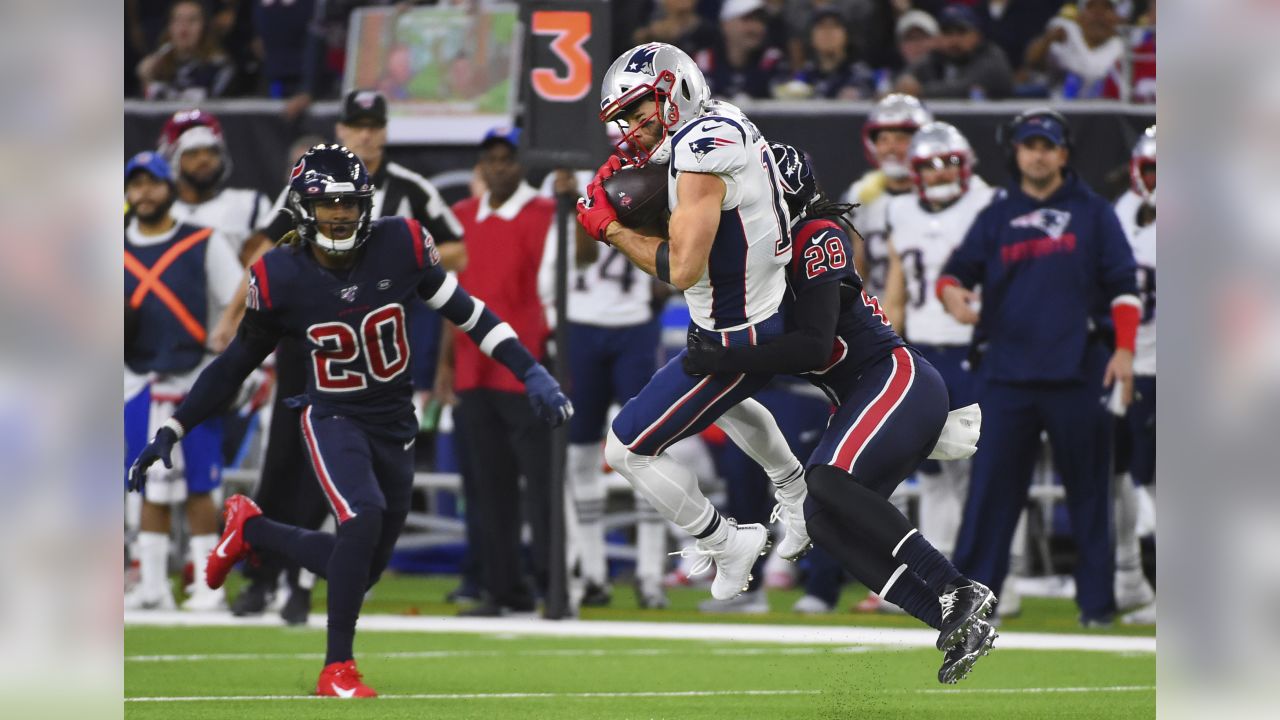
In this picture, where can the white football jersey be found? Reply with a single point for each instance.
(234, 212)
(872, 196)
(924, 241)
(610, 292)
(1143, 241)
(746, 273)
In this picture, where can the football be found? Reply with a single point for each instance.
(639, 195)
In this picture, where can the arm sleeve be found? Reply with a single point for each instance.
(222, 269)
(965, 266)
(817, 308)
(1118, 273)
(714, 145)
(218, 383)
(494, 337)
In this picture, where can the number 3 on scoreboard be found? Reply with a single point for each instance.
(571, 31)
(340, 344)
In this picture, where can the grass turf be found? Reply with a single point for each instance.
(825, 682)
(837, 682)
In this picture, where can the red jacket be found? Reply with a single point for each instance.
(504, 252)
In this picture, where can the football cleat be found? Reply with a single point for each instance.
(145, 598)
(960, 659)
(812, 605)
(1141, 616)
(960, 607)
(795, 542)
(205, 600)
(297, 608)
(232, 546)
(343, 680)
(253, 600)
(752, 602)
(596, 595)
(733, 561)
(1133, 590)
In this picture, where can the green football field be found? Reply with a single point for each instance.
(269, 671)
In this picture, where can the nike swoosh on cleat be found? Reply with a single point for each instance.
(344, 692)
(222, 548)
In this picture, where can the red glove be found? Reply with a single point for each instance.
(611, 166)
(594, 211)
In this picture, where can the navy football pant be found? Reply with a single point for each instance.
(1136, 433)
(1079, 429)
(607, 365)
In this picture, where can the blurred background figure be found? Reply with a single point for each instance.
(834, 69)
(189, 64)
(1080, 55)
(745, 60)
(964, 64)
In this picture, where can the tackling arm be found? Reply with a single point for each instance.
(807, 348)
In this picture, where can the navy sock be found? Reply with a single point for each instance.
(910, 593)
(348, 576)
(308, 548)
(930, 565)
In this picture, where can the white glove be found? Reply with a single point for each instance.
(959, 438)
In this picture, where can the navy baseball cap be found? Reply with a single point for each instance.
(149, 162)
(505, 134)
(364, 106)
(958, 16)
(1045, 126)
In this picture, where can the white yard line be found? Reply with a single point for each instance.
(783, 634)
(452, 654)
(482, 696)
(1036, 690)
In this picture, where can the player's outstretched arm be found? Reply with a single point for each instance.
(497, 340)
(804, 349)
(214, 389)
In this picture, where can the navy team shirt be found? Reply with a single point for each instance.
(1046, 269)
(823, 253)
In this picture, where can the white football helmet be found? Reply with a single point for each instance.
(1144, 160)
(939, 144)
(663, 73)
(896, 111)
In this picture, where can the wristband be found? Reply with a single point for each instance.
(662, 262)
(175, 426)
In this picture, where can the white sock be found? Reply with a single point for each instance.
(587, 488)
(1128, 549)
(754, 430)
(200, 546)
(651, 542)
(671, 488)
(942, 504)
(153, 561)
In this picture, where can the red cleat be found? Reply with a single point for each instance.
(233, 546)
(342, 680)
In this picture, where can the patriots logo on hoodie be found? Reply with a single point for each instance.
(704, 145)
(1047, 220)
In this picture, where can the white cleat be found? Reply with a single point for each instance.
(733, 561)
(1141, 616)
(206, 600)
(812, 605)
(144, 598)
(795, 543)
(748, 603)
(1133, 590)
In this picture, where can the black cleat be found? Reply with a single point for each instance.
(960, 607)
(960, 659)
(253, 600)
(596, 595)
(297, 608)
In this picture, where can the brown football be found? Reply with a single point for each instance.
(639, 195)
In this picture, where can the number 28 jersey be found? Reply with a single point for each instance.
(351, 321)
(824, 254)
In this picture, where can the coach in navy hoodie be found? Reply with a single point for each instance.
(1050, 257)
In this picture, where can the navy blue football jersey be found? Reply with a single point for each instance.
(352, 321)
(823, 253)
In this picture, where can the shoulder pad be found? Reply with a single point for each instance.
(712, 144)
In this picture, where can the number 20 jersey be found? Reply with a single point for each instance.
(824, 254)
(352, 321)
(924, 241)
(746, 273)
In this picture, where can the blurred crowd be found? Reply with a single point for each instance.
(295, 50)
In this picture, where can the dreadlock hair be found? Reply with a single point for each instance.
(821, 206)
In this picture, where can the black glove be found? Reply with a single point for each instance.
(160, 448)
(703, 356)
(549, 402)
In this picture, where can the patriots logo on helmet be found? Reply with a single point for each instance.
(704, 145)
(642, 60)
(1047, 220)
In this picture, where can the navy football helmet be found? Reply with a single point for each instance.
(798, 182)
(328, 173)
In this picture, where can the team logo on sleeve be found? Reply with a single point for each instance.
(704, 145)
(1047, 220)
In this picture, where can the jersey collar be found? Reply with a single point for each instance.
(509, 209)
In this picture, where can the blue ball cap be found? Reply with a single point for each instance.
(959, 16)
(508, 135)
(149, 162)
(1043, 126)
